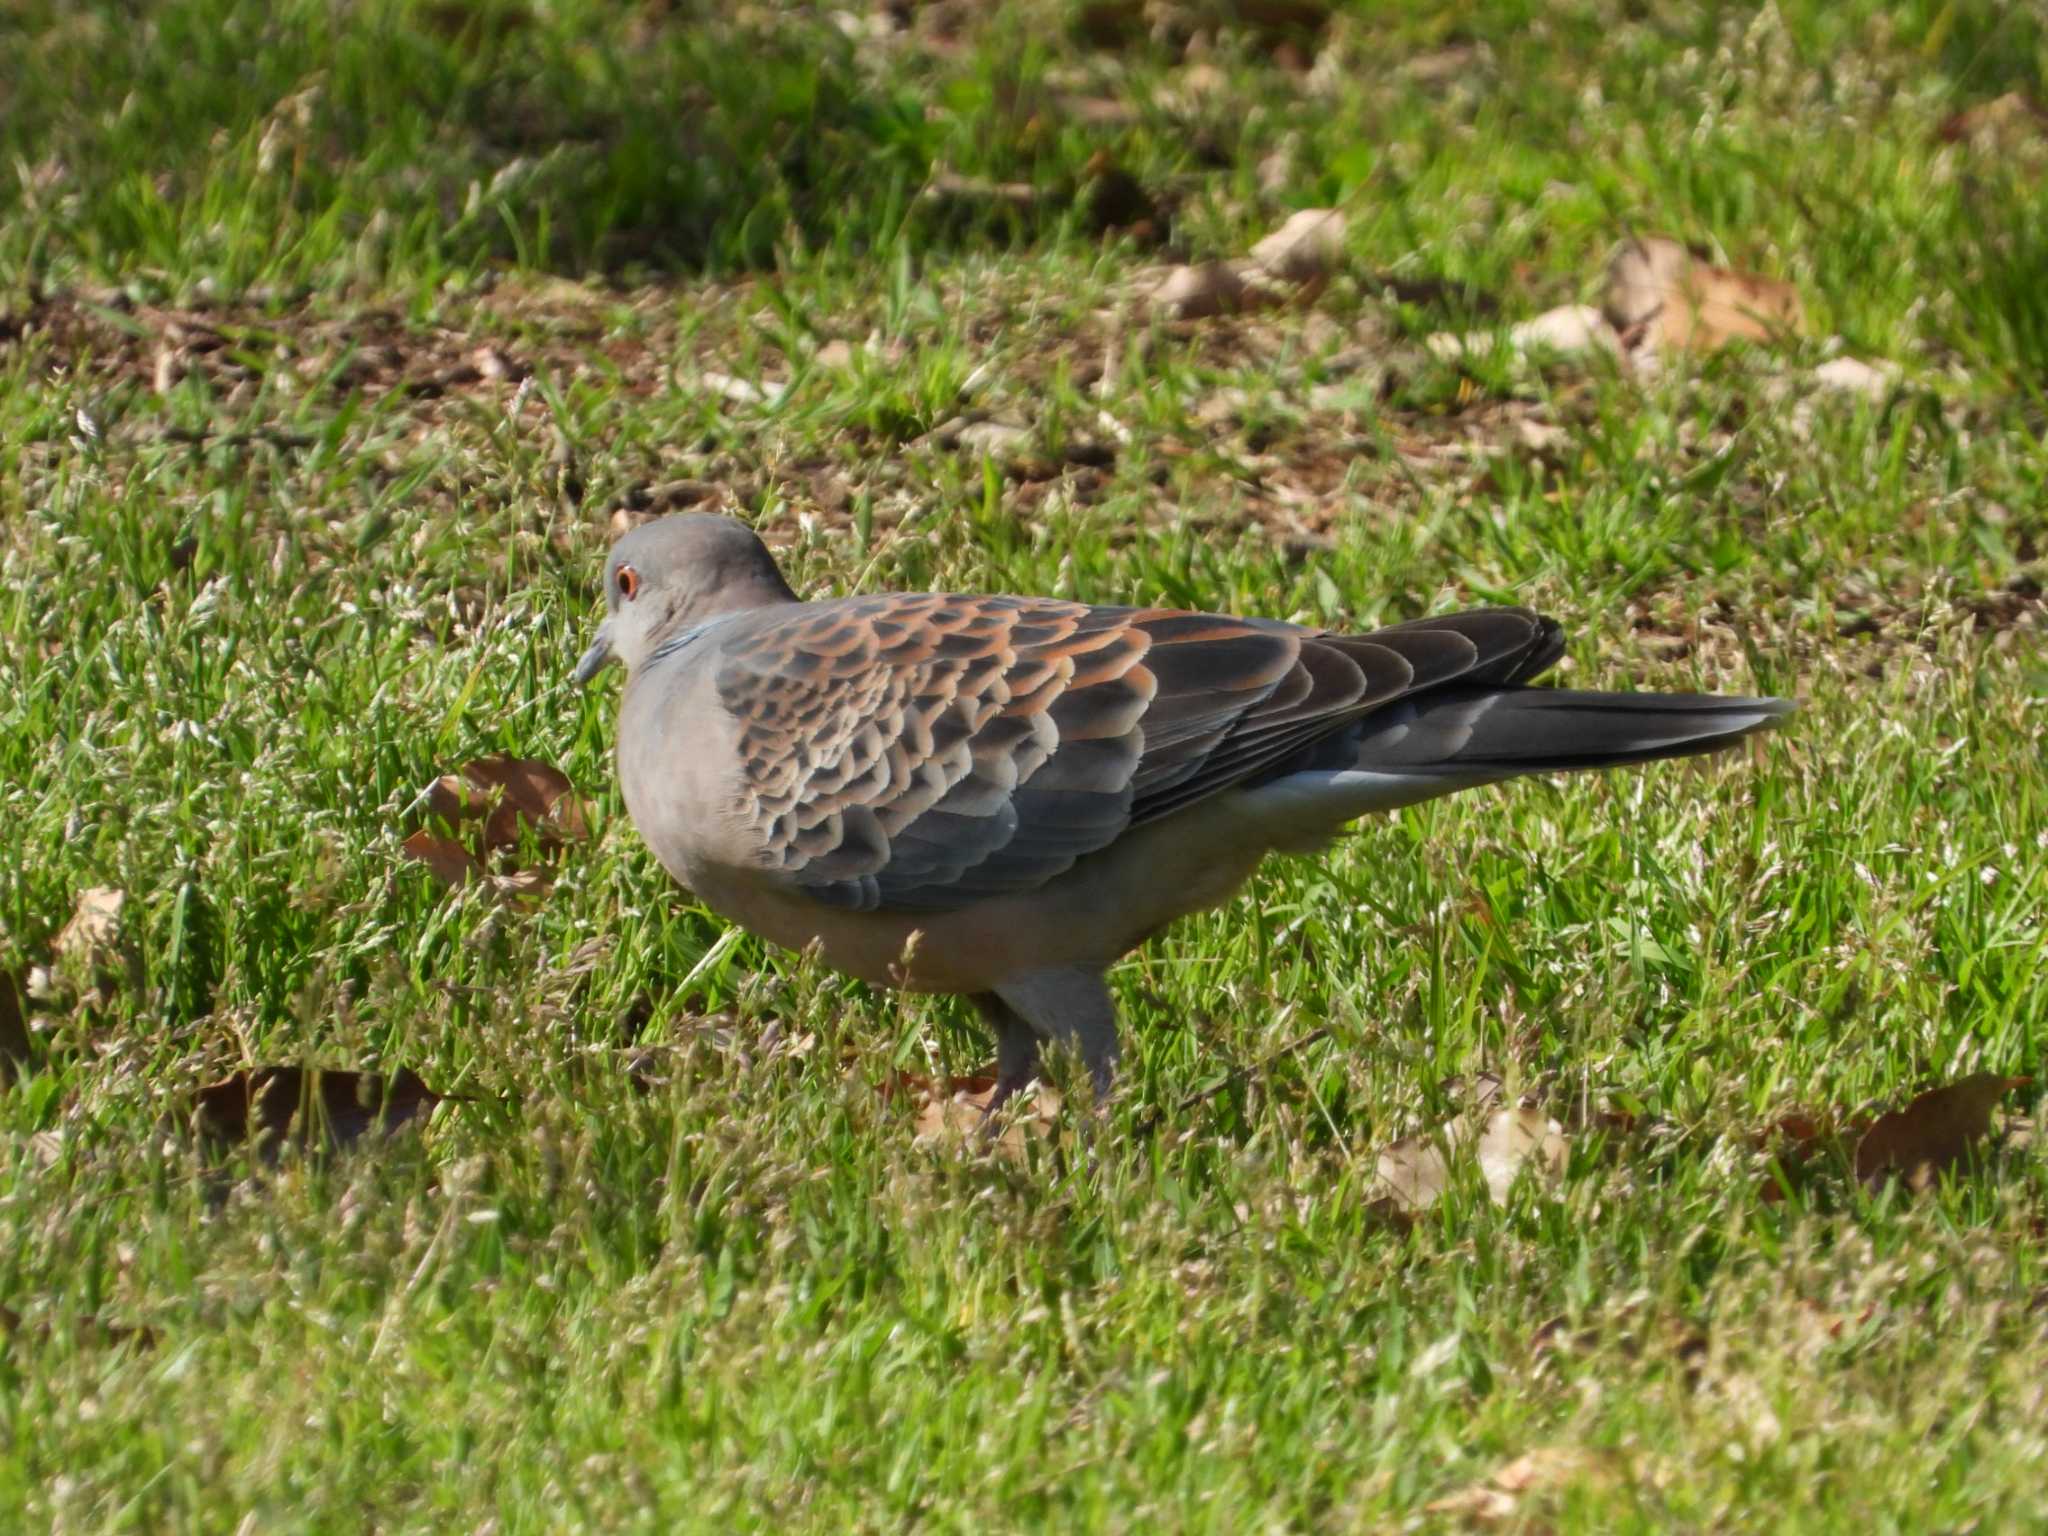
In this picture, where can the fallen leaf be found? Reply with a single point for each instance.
(1518, 1138)
(955, 1109)
(530, 790)
(1642, 275)
(1414, 1171)
(93, 935)
(1306, 247)
(446, 860)
(1546, 1469)
(1691, 306)
(1938, 1130)
(267, 1101)
(93, 953)
(501, 798)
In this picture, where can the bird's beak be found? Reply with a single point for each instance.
(594, 659)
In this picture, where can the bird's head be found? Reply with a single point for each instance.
(675, 572)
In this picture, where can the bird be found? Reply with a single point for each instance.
(1001, 796)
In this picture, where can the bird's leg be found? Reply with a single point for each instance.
(1069, 1006)
(1016, 1051)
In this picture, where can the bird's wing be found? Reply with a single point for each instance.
(913, 752)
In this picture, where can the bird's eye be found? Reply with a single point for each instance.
(629, 583)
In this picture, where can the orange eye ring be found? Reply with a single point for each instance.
(629, 583)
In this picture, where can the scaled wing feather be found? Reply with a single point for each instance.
(921, 752)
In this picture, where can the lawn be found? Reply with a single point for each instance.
(337, 341)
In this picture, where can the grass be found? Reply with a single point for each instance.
(331, 338)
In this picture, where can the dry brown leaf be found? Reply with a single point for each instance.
(1546, 1469)
(1641, 277)
(1306, 247)
(530, 790)
(1938, 1130)
(499, 798)
(1414, 1171)
(92, 938)
(93, 953)
(446, 860)
(266, 1101)
(955, 1109)
(1691, 306)
(1517, 1138)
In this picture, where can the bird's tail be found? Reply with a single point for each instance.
(1498, 733)
(1449, 739)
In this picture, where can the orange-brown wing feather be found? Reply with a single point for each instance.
(917, 752)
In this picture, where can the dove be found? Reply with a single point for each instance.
(1000, 797)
